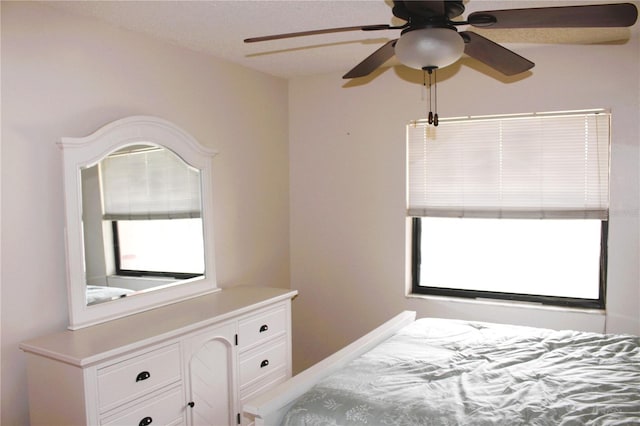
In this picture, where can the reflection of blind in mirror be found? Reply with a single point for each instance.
(149, 184)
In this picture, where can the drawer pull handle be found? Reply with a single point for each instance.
(191, 404)
(143, 376)
(146, 421)
(264, 363)
(264, 328)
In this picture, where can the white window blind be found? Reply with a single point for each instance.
(552, 165)
(149, 183)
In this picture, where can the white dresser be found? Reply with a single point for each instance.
(193, 362)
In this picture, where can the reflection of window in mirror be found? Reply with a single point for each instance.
(142, 221)
(159, 247)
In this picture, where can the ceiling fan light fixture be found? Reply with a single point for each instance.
(429, 48)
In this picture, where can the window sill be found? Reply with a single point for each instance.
(507, 303)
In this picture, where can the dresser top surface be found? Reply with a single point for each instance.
(93, 344)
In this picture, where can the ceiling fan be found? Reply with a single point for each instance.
(430, 40)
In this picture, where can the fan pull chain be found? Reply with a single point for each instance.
(428, 90)
(433, 95)
(430, 114)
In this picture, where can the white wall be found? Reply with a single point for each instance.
(67, 76)
(347, 163)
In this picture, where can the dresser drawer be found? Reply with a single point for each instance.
(134, 377)
(165, 409)
(262, 327)
(257, 364)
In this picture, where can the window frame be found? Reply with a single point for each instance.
(417, 289)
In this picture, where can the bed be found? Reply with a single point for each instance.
(446, 372)
(99, 294)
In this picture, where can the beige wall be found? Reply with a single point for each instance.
(347, 162)
(67, 76)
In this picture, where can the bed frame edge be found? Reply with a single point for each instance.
(270, 407)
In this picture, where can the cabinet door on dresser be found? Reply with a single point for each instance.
(210, 361)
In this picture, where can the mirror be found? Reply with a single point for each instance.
(139, 229)
(142, 223)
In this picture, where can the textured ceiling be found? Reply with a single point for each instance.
(219, 27)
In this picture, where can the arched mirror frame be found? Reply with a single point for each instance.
(86, 151)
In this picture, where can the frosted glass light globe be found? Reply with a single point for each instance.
(429, 47)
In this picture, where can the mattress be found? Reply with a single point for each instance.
(447, 372)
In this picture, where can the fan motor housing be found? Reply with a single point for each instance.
(452, 9)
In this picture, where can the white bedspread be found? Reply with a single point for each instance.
(442, 372)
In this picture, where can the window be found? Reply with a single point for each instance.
(152, 199)
(511, 207)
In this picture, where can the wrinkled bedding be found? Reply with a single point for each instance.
(444, 372)
(99, 294)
